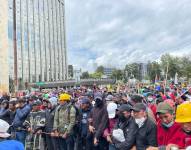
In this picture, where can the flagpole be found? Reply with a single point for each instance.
(166, 77)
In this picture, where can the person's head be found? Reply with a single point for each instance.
(111, 109)
(12, 104)
(5, 104)
(139, 111)
(36, 105)
(136, 99)
(85, 103)
(124, 112)
(98, 98)
(183, 116)
(21, 102)
(64, 98)
(4, 126)
(52, 102)
(166, 114)
(45, 103)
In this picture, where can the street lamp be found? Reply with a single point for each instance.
(15, 45)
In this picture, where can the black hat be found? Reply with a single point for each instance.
(37, 103)
(125, 107)
(138, 107)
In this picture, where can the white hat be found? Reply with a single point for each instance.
(111, 109)
(53, 101)
(4, 126)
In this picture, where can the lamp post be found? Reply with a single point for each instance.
(15, 46)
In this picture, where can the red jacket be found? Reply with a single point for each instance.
(185, 138)
(170, 135)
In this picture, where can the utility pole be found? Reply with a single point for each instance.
(166, 76)
(15, 46)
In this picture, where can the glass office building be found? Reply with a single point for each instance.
(41, 43)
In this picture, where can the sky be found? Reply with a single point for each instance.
(114, 33)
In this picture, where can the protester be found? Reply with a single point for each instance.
(23, 109)
(147, 133)
(49, 121)
(98, 122)
(64, 121)
(127, 124)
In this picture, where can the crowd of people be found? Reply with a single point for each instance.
(84, 118)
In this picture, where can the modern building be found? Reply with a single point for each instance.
(40, 41)
(70, 71)
(108, 71)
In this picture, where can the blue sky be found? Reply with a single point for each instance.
(116, 32)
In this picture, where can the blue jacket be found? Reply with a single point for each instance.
(21, 115)
(11, 145)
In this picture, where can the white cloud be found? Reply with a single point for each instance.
(116, 32)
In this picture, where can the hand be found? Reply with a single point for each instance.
(39, 131)
(109, 139)
(65, 135)
(30, 130)
(52, 134)
(152, 148)
(92, 129)
(95, 141)
(55, 134)
(168, 147)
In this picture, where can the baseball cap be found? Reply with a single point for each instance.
(138, 107)
(111, 109)
(125, 107)
(85, 100)
(164, 107)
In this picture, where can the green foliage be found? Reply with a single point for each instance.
(85, 75)
(100, 69)
(96, 75)
(117, 74)
(153, 70)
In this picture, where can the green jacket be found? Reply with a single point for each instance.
(65, 119)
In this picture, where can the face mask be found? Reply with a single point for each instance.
(168, 125)
(140, 121)
(98, 102)
(121, 117)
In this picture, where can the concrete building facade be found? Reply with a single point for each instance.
(41, 41)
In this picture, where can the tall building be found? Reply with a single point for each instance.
(108, 71)
(41, 42)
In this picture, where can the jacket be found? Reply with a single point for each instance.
(169, 135)
(146, 135)
(49, 119)
(64, 119)
(99, 117)
(129, 128)
(21, 115)
(5, 115)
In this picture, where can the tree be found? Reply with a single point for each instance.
(100, 69)
(185, 66)
(173, 64)
(132, 70)
(117, 74)
(154, 70)
(96, 75)
(85, 75)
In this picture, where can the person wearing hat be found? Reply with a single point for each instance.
(49, 121)
(64, 121)
(147, 133)
(111, 109)
(127, 124)
(6, 144)
(98, 122)
(23, 110)
(35, 124)
(183, 116)
(85, 109)
(167, 128)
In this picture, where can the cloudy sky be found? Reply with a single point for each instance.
(117, 32)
